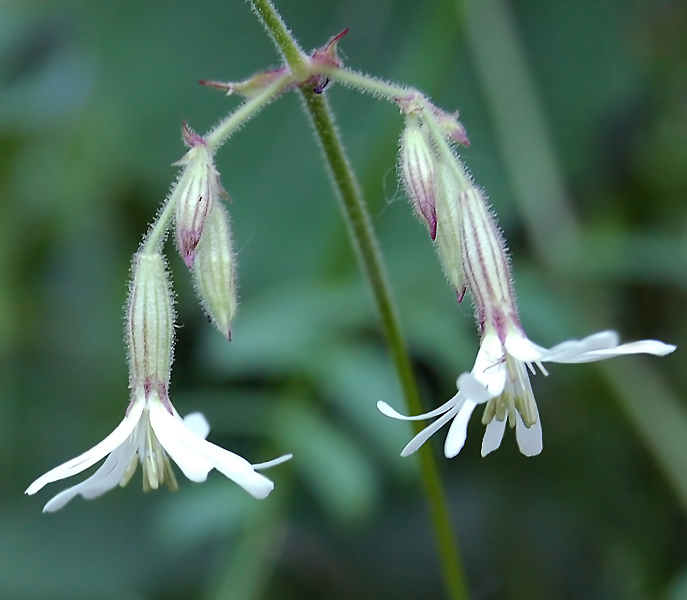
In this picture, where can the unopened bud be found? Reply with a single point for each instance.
(197, 188)
(149, 323)
(214, 270)
(448, 240)
(418, 166)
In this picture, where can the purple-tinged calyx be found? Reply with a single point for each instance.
(195, 192)
(418, 166)
(486, 265)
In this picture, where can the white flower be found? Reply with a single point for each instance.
(500, 379)
(151, 430)
(499, 376)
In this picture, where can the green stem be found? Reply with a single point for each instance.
(368, 84)
(365, 243)
(282, 38)
(158, 230)
(243, 113)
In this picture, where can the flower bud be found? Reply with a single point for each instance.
(448, 239)
(197, 188)
(214, 270)
(149, 324)
(418, 165)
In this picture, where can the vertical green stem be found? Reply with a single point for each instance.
(364, 241)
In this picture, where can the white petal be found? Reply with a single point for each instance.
(521, 348)
(386, 410)
(490, 365)
(171, 430)
(103, 480)
(455, 439)
(473, 389)
(273, 463)
(642, 347)
(92, 456)
(195, 456)
(571, 349)
(198, 424)
(529, 439)
(427, 432)
(493, 435)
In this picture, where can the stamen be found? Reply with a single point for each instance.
(130, 470)
(489, 412)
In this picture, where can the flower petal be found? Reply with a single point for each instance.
(195, 456)
(529, 439)
(455, 439)
(171, 430)
(473, 389)
(427, 432)
(571, 349)
(521, 348)
(385, 409)
(92, 456)
(103, 480)
(493, 435)
(489, 367)
(642, 347)
(273, 463)
(198, 424)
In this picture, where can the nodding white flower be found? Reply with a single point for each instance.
(151, 432)
(499, 377)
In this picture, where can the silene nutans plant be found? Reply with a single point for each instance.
(463, 230)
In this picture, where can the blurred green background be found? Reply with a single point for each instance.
(577, 113)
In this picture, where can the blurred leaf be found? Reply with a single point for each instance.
(216, 509)
(328, 459)
(355, 378)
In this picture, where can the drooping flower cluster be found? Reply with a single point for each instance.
(474, 256)
(152, 431)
